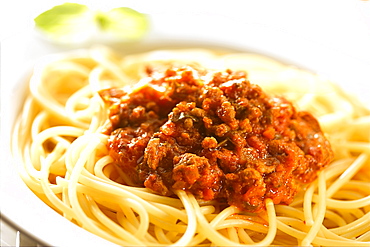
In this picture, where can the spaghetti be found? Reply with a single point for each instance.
(65, 160)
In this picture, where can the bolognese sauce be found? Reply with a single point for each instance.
(215, 135)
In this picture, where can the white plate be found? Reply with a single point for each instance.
(19, 53)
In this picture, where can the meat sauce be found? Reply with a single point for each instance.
(215, 135)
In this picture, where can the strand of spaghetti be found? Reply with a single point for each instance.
(338, 106)
(220, 217)
(223, 215)
(294, 223)
(360, 107)
(25, 120)
(207, 209)
(364, 237)
(318, 240)
(94, 79)
(360, 182)
(233, 234)
(309, 96)
(356, 232)
(252, 61)
(98, 119)
(86, 208)
(90, 162)
(297, 202)
(307, 85)
(270, 208)
(162, 239)
(330, 235)
(35, 131)
(116, 190)
(244, 236)
(307, 204)
(360, 121)
(191, 221)
(96, 83)
(168, 224)
(285, 240)
(101, 230)
(128, 212)
(94, 226)
(359, 223)
(67, 66)
(317, 108)
(101, 148)
(349, 195)
(103, 199)
(357, 212)
(114, 227)
(52, 107)
(99, 166)
(219, 239)
(241, 223)
(58, 168)
(36, 128)
(143, 193)
(24, 165)
(319, 217)
(38, 123)
(77, 101)
(355, 146)
(100, 55)
(143, 225)
(334, 217)
(173, 236)
(73, 153)
(151, 240)
(333, 203)
(211, 233)
(347, 215)
(362, 187)
(64, 198)
(90, 143)
(128, 224)
(364, 175)
(51, 194)
(330, 120)
(174, 211)
(126, 180)
(337, 167)
(30, 166)
(289, 211)
(91, 111)
(36, 146)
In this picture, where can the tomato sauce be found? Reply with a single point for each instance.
(215, 135)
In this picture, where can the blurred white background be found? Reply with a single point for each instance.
(342, 25)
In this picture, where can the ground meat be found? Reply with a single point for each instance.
(216, 135)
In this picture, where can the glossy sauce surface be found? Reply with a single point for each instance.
(216, 135)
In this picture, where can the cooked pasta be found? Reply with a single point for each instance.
(65, 161)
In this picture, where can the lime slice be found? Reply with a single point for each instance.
(123, 22)
(66, 21)
(76, 23)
